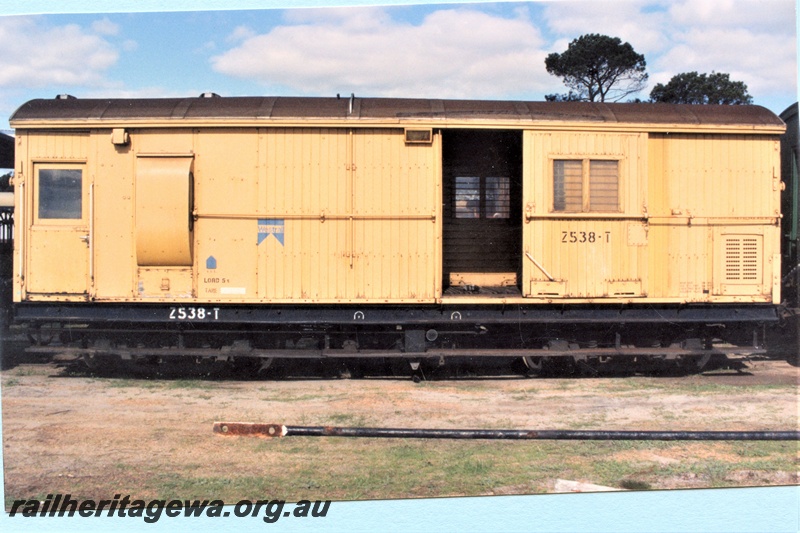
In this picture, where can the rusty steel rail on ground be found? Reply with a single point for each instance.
(279, 430)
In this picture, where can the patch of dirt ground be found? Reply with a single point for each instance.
(78, 433)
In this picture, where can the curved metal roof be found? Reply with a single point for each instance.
(390, 109)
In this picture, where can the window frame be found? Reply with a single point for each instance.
(586, 183)
(37, 190)
(467, 211)
(479, 211)
(501, 203)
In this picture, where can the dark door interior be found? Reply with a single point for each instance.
(482, 172)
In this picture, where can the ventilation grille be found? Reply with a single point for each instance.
(743, 258)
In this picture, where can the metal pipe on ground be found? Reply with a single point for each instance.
(279, 430)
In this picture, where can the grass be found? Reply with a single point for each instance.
(350, 420)
(122, 383)
(763, 449)
(24, 371)
(693, 385)
(192, 384)
(667, 415)
(357, 469)
(694, 388)
(302, 397)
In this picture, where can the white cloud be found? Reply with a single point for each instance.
(644, 30)
(757, 15)
(472, 53)
(752, 40)
(350, 18)
(452, 53)
(35, 55)
(241, 33)
(105, 27)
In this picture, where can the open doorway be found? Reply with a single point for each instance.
(482, 232)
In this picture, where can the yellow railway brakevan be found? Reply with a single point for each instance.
(348, 216)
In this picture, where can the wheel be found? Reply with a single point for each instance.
(533, 365)
(266, 362)
(701, 361)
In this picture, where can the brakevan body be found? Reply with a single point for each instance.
(361, 227)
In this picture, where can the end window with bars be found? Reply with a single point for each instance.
(487, 197)
(586, 185)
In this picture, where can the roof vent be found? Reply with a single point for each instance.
(209, 95)
(65, 97)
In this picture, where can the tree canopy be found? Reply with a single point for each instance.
(694, 88)
(598, 68)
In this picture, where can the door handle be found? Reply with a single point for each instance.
(84, 238)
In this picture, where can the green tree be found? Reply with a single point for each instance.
(694, 88)
(598, 68)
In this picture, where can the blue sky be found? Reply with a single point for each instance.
(474, 50)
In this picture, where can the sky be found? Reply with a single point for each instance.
(474, 50)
